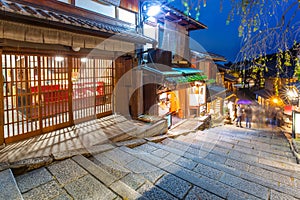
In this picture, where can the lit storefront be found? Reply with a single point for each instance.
(177, 91)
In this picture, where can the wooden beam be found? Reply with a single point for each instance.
(1, 104)
(70, 89)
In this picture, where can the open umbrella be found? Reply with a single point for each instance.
(244, 101)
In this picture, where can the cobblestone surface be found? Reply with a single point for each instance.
(225, 162)
(174, 185)
(66, 171)
(88, 187)
(29, 180)
(46, 191)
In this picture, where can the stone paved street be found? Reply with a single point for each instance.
(224, 162)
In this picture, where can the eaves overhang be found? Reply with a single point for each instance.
(44, 17)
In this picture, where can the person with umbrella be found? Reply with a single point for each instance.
(239, 113)
(248, 112)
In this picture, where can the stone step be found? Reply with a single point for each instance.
(8, 186)
(110, 181)
(221, 155)
(276, 137)
(186, 127)
(129, 130)
(121, 163)
(120, 132)
(208, 182)
(133, 168)
(259, 136)
(283, 150)
(176, 176)
(242, 147)
(265, 177)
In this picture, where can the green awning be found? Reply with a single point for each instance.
(175, 77)
(187, 70)
(186, 78)
(165, 72)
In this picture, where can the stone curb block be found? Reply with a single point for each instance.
(131, 143)
(22, 166)
(292, 145)
(295, 150)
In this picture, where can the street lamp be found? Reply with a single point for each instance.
(275, 100)
(153, 10)
(148, 9)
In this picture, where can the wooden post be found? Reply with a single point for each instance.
(182, 96)
(1, 105)
(70, 89)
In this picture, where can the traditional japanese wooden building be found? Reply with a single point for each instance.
(170, 82)
(60, 61)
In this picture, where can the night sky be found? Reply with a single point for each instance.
(220, 38)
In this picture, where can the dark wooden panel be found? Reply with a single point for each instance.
(132, 5)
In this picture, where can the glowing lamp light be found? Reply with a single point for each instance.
(153, 10)
(290, 93)
(275, 100)
(84, 60)
(59, 59)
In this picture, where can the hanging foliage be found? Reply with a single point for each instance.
(259, 36)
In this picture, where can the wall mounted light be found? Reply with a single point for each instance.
(76, 49)
(151, 8)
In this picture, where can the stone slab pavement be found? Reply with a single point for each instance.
(93, 136)
(224, 162)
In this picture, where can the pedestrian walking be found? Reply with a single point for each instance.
(239, 113)
(248, 112)
(234, 113)
(274, 118)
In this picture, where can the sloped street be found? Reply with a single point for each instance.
(224, 162)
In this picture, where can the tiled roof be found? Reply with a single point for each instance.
(230, 77)
(11, 10)
(264, 93)
(208, 55)
(298, 86)
(222, 67)
(215, 91)
(186, 20)
(285, 72)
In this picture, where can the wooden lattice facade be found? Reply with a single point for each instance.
(60, 64)
(42, 93)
